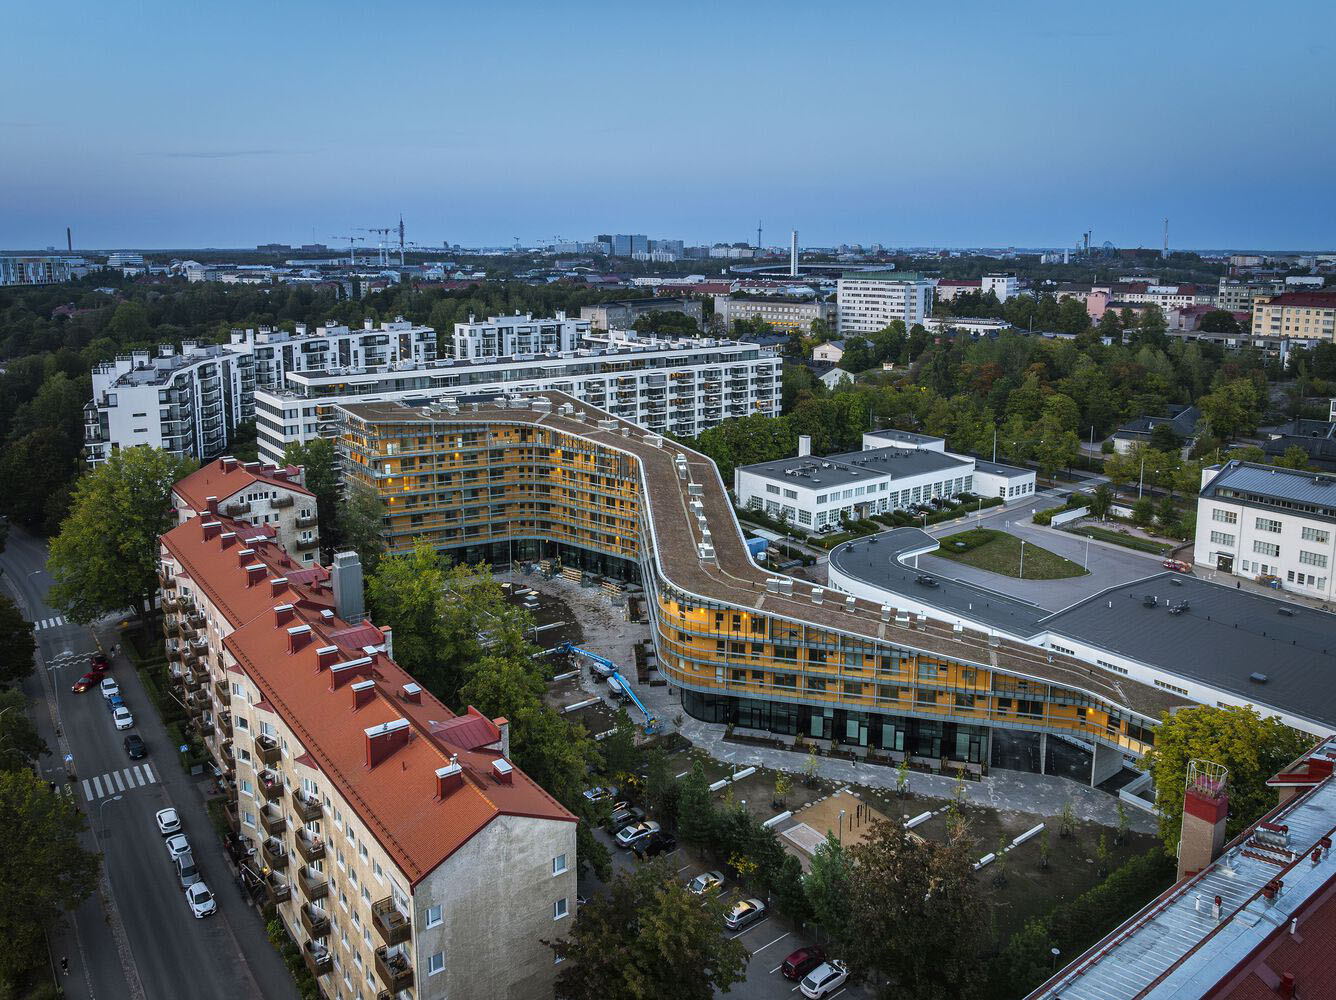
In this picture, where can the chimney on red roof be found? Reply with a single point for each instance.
(298, 637)
(383, 740)
(388, 633)
(449, 778)
(1286, 986)
(363, 692)
(243, 556)
(1205, 809)
(411, 692)
(227, 463)
(211, 505)
(227, 538)
(325, 657)
(211, 529)
(284, 613)
(255, 572)
(341, 673)
(278, 585)
(503, 724)
(252, 466)
(502, 771)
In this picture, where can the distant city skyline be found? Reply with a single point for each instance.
(1025, 124)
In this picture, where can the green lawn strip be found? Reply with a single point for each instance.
(1118, 538)
(999, 552)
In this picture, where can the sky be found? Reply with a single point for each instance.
(144, 124)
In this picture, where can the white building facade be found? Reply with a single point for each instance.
(278, 352)
(511, 336)
(869, 300)
(781, 313)
(1004, 286)
(1269, 524)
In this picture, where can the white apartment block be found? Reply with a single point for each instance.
(187, 403)
(680, 387)
(278, 352)
(1268, 523)
(512, 336)
(781, 313)
(1004, 286)
(869, 300)
(268, 496)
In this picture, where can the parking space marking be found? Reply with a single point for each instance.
(751, 928)
(765, 946)
(682, 869)
(776, 968)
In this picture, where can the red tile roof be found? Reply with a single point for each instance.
(226, 477)
(1321, 300)
(1309, 956)
(395, 796)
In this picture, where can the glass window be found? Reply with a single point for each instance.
(434, 915)
(559, 864)
(560, 909)
(435, 963)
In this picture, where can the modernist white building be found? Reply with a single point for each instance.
(680, 387)
(512, 336)
(1004, 286)
(278, 352)
(1263, 521)
(781, 312)
(895, 470)
(869, 300)
(187, 403)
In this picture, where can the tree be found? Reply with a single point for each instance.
(20, 746)
(1143, 512)
(1253, 748)
(16, 643)
(105, 558)
(1219, 321)
(919, 914)
(621, 756)
(1234, 408)
(827, 885)
(44, 869)
(1101, 501)
(1293, 458)
(648, 938)
(1163, 438)
(318, 459)
(407, 593)
(696, 810)
(359, 524)
(667, 324)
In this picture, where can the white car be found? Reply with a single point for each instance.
(177, 845)
(168, 821)
(599, 792)
(200, 900)
(122, 718)
(825, 978)
(109, 687)
(629, 836)
(706, 882)
(745, 912)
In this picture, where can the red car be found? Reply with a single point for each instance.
(100, 661)
(87, 681)
(802, 961)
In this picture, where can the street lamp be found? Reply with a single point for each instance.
(1055, 953)
(1022, 573)
(102, 805)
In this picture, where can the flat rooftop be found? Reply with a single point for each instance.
(1300, 492)
(910, 437)
(854, 467)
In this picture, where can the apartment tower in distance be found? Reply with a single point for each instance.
(869, 300)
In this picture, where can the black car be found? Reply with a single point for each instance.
(925, 581)
(655, 844)
(135, 746)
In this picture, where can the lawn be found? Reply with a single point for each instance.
(1118, 538)
(1000, 552)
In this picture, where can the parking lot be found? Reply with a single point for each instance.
(769, 940)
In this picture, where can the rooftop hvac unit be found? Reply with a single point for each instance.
(786, 587)
(772, 586)
(850, 603)
(706, 552)
(696, 490)
(817, 595)
(886, 612)
(958, 629)
(902, 618)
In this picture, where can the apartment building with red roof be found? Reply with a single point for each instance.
(402, 850)
(1310, 315)
(263, 494)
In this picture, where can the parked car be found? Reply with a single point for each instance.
(109, 687)
(186, 870)
(601, 792)
(200, 900)
(99, 661)
(631, 835)
(135, 746)
(168, 821)
(1177, 565)
(802, 961)
(706, 882)
(824, 979)
(122, 717)
(85, 682)
(624, 816)
(745, 912)
(115, 702)
(655, 844)
(177, 845)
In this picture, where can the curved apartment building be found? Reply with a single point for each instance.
(542, 476)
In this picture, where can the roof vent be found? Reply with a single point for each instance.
(1258, 678)
(298, 637)
(449, 778)
(383, 740)
(502, 770)
(363, 692)
(411, 692)
(325, 657)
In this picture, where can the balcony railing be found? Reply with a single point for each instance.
(273, 820)
(313, 883)
(271, 784)
(306, 808)
(238, 507)
(275, 855)
(222, 691)
(225, 722)
(315, 921)
(277, 888)
(318, 958)
(311, 848)
(309, 521)
(267, 749)
(281, 501)
(392, 926)
(394, 969)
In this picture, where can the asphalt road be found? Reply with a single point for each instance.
(136, 938)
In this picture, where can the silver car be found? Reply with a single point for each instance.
(186, 870)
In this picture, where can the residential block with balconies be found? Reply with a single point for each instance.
(264, 495)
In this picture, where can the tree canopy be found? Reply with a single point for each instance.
(17, 644)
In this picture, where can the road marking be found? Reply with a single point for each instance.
(120, 785)
(98, 785)
(765, 946)
(776, 968)
(49, 623)
(752, 927)
(139, 776)
(149, 772)
(122, 781)
(88, 792)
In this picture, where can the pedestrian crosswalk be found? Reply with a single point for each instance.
(48, 623)
(115, 782)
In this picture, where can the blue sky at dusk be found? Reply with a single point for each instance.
(964, 124)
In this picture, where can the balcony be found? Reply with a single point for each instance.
(281, 501)
(193, 678)
(307, 521)
(318, 959)
(222, 691)
(273, 820)
(310, 847)
(204, 725)
(315, 921)
(267, 749)
(306, 808)
(274, 853)
(199, 705)
(237, 508)
(271, 784)
(313, 883)
(166, 582)
(392, 926)
(394, 969)
(224, 720)
(277, 888)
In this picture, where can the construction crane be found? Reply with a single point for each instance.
(383, 247)
(618, 684)
(352, 241)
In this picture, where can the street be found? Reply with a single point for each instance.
(135, 938)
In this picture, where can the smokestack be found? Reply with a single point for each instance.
(69, 240)
(1205, 809)
(346, 577)
(793, 254)
(804, 445)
